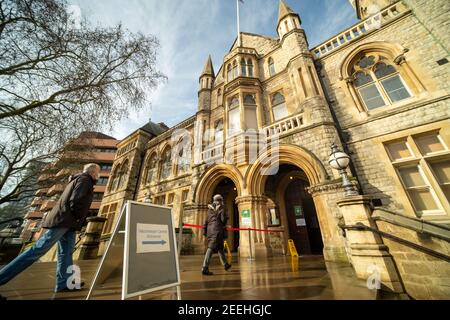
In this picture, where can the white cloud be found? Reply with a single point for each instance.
(188, 31)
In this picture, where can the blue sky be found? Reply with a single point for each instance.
(189, 30)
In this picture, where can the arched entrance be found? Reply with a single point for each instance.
(227, 181)
(228, 190)
(304, 219)
(293, 208)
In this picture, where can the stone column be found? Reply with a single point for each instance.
(370, 257)
(259, 244)
(90, 242)
(196, 214)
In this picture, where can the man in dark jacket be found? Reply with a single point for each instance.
(62, 222)
(214, 231)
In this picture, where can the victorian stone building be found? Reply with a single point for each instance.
(263, 133)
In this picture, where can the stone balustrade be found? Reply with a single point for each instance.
(372, 23)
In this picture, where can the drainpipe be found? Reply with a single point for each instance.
(336, 122)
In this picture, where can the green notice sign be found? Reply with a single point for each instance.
(245, 217)
(298, 211)
(299, 218)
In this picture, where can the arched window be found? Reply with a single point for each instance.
(271, 67)
(286, 25)
(114, 178)
(378, 82)
(166, 165)
(250, 116)
(243, 68)
(250, 67)
(234, 116)
(279, 108)
(219, 97)
(123, 175)
(235, 69)
(249, 99)
(218, 132)
(229, 72)
(183, 155)
(233, 102)
(151, 168)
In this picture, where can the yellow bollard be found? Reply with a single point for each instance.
(227, 248)
(292, 249)
(294, 264)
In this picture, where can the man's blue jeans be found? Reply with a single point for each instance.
(66, 243)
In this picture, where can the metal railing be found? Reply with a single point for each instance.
(362, 227)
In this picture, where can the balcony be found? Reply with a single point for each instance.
(284, 126)
(34, 215)
(41, 192)
(55, 189)
(48, 205)
(368, 25)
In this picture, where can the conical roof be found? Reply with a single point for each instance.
(208, 69)
(284, 10)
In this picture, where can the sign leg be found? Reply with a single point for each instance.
(178, 292)
(250, 244)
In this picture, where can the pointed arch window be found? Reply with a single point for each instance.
(279, 108)
(114, 178)
(271, 67)
(250, 67)
(183, 156)
(378, 82)
(234, 116)
(123, 175)
(166, 165)
(243, 67)
(151, 168)
(219, 97)
(249, 99)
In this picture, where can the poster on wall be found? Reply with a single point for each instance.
(274, 218)
(299, 217)
(245, 218)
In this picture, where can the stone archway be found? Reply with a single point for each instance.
(203, 193)
(289, 154)
(211, 178)
(314, 171)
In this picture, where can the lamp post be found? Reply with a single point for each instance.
(339, 160)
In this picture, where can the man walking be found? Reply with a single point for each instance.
(62, 222)
(214, 231)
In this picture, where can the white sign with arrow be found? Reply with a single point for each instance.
(152, 238)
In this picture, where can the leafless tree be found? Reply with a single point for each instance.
(59, 77)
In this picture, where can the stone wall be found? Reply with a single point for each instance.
(424, 276)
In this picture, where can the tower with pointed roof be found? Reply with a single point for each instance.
(288, 20)
(206, 82)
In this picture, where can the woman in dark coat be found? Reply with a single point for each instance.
(214, 231)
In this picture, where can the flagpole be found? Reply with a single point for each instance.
(238, 27)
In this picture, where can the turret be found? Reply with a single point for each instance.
(288, 20)
(206, 82)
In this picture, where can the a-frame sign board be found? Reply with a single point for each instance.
(143, 247)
